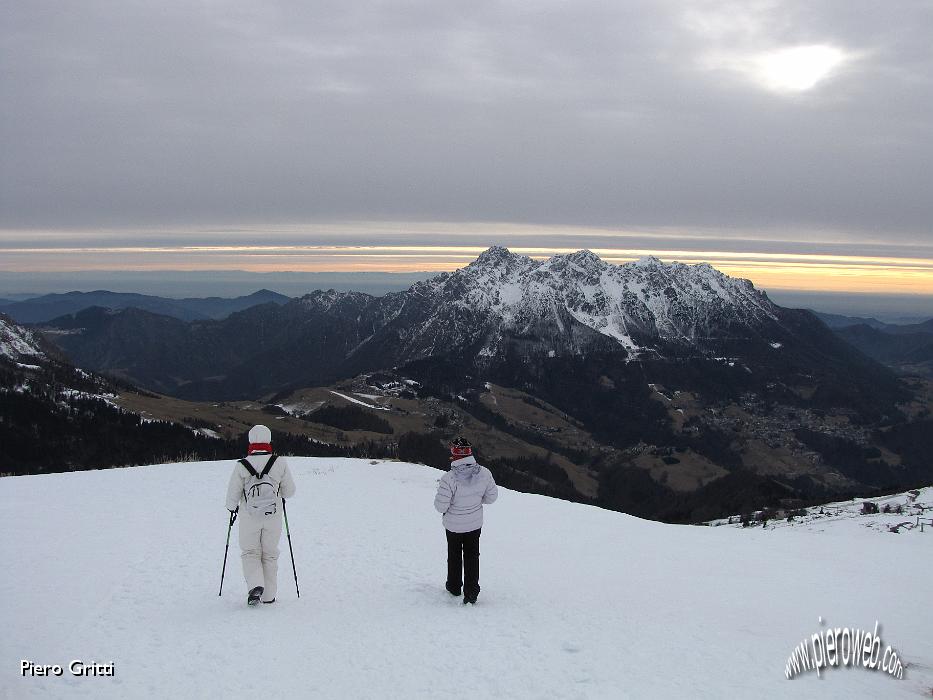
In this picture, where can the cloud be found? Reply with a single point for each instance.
(577, 114)
(789, 263)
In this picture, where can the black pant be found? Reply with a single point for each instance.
(463, 562)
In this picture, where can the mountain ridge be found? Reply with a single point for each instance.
(500, 310)
(908, 350)
(48, 307)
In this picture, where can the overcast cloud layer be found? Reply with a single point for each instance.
(635, 114)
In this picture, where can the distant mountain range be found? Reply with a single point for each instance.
(504, 316)
(50, 306)
(906, 348)
(666, 390)
(20, 286)
(56, 417)
(500, 310)
(835, 321)
(909, 349)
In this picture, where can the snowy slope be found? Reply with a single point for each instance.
(16, 342)
(577, 602)
(898, 513)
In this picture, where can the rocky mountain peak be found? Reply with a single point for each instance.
(583, 260)
(648, 261)
(333, 301)
(498, 256)
(569, 299)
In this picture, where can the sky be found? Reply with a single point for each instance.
(787, 142)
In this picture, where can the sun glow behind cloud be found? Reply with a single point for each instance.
(797, 68)
(794, 69)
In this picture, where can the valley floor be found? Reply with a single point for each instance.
(123, 566)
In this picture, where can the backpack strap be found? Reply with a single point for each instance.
(268, 466)
(249, 468)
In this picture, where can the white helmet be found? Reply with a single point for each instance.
(260, 434)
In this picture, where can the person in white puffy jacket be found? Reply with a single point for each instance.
(461, 493)
(259, 532)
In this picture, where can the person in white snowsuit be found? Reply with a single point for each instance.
(461, 493)
(260, 527)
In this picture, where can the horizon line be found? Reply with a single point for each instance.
(814, 272)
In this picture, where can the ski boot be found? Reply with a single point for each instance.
(254, 596)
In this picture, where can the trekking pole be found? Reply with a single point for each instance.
(290, 550)
(226, 549)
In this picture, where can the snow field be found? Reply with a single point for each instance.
(123, 565)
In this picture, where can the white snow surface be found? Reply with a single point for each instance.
(123, 566)
(361, 403)
(17, 342)
(915, 507)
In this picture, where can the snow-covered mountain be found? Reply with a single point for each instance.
(581, 335)
(572, 302)
(500, 306)
(18, 343)
(576, 602)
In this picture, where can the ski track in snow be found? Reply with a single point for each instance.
(361, 403)
(123, 565)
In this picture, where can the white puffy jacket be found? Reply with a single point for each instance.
(461, 500)
(279, 474)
